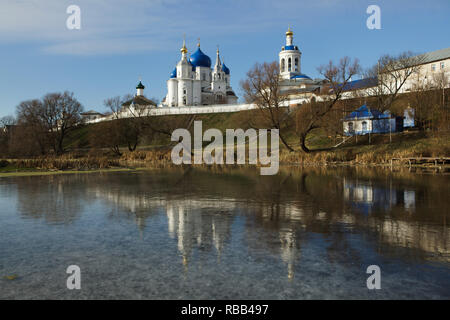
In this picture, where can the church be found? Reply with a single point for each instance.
(293, 82)
(194, 83)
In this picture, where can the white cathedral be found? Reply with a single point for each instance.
(194, 83)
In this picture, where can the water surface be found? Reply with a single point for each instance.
(199, 234)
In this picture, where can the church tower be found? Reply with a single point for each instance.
(140, 89)
(290, 57)
(219, 81)
(184, 76)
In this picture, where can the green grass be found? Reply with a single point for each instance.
(380, 148)
(25, 172)
(78, 138)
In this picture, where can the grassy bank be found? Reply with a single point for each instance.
(380, 149)
(363, 150)
(378, 152)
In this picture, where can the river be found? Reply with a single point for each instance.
(226, 234)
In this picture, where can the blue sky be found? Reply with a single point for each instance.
(121, 40)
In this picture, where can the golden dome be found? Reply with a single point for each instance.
(289, 32)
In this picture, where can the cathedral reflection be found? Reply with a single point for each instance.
(275, 216)
(199, 224)
(367, 197)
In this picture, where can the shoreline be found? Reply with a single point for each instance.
(26, 172)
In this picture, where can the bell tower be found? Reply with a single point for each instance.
(290, 57)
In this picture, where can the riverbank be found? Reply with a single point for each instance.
(357, 151)
(142, 165)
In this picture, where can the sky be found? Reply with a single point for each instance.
(121, 40)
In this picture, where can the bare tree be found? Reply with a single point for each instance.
(392, 74)
(107, 134)
(312, 115)
(50, 119)
(5, 132)
(132, 123)
(262, 87)
(60, 114)
(127, 117)
(441, 82)
(427, 98)
(32, 130)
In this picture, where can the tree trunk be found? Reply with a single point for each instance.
(285, 143)
(303, 143)
(60, 149)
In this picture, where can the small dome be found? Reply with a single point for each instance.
(301, 76)
(289, 32)
(225, 69)
(199, 59)
(173, 74)
(140, 85)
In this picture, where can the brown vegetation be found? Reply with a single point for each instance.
(262, 87)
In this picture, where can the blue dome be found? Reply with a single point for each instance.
(199, 59)
(300, 76)
(225, 69)
(173, 74)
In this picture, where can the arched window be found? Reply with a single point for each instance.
(350, 127)
(364, 126)
(289, 64)
(296, 64)
(282, 65)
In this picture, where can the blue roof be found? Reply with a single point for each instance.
(225, 69)
(173, 74)
(199, 59)
(300, 76)
(291, 48)
(361, 83)
(364, 112)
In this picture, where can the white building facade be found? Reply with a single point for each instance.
(194, 83)
(433, 73)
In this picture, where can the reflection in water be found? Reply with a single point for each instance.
(285, 204)
(345, 214)
(51, 198)
(366, 197)
(193, 228)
